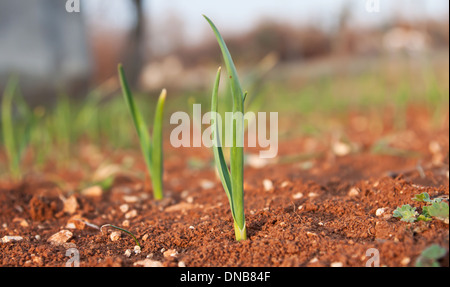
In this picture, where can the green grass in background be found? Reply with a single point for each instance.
(316, 102)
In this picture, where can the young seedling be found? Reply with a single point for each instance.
(15, 139)
(151, 149)
(438, 210)
(430, 256)
(91, 225)
(435, 208)
(406, 213)
(121, 229)
(233, 179)
(423, 197)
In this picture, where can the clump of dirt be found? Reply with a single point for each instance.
(42, 208)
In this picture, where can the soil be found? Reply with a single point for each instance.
(321, 211)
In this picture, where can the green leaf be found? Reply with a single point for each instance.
(221, 164)
(236, 89)
(16, 137)
(139, 123)
(237, 150)
(7, 126)
(157, 147)
(430, 256)
(25, 134)
(424, 217)
(438, 210)
(424, 197)
(152, 150)
(434, 252)
(107, 182)
(407, 213)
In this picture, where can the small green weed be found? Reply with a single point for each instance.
(435, 208)
(16, 137)
(430, 256)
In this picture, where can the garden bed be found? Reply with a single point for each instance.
(324, 203)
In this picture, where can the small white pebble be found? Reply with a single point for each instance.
(353, 192)
(170, 253)
(268, 185)
(298, 195)
(181, 264)
(314, 260)
(124, 208)
(115, 235)
(131, 214)
(93, 191)
(148, 263)
(313, 195)
(191, 227)
(380, 211)
(60, 238)
(71, 225)
(127, 253)
(405, 261)
(337, 264)
(130, 198)
(190, 199)
(434, 147)
(126, 223)
(255, 161)
(137, 250)
(341, 149)
(285, 184)
(207, 184)
(37, 237)
(184, 194)
(7, 239)
(21, 221)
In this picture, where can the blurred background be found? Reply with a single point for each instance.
(168, 43)
(312, 61)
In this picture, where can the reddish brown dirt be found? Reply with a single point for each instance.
(321, 212)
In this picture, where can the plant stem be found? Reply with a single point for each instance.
(152, 149)
(236, 195)
(241, 234)
(157, 149)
